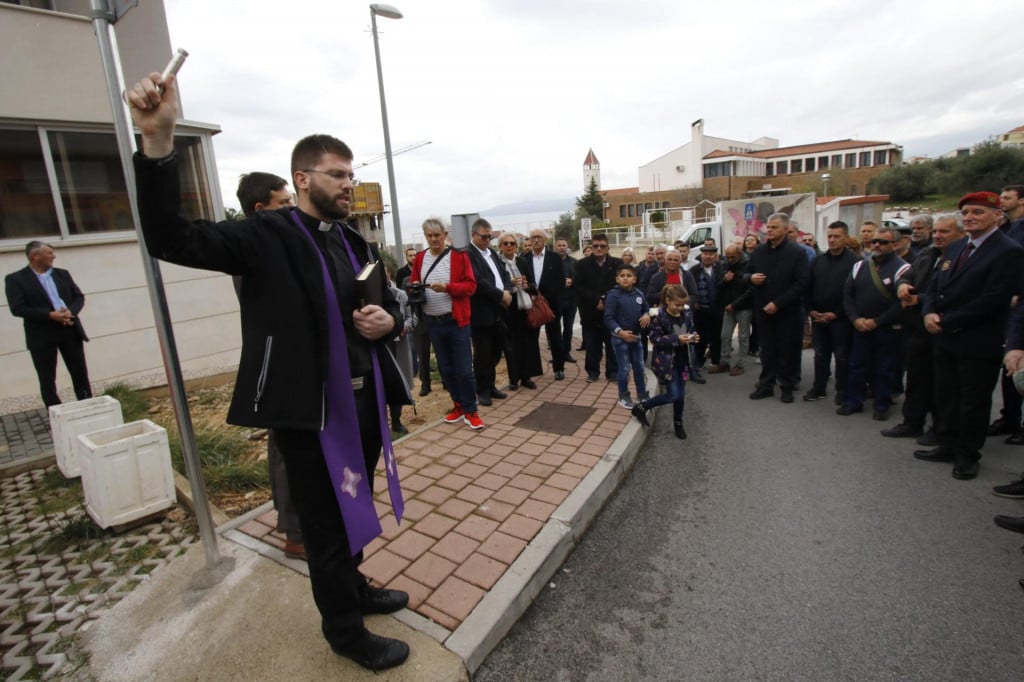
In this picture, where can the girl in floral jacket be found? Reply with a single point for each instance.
(671, 334)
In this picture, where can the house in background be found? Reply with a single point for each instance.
(61, 181)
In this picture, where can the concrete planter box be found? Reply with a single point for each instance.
(70, 420)
(126, 472)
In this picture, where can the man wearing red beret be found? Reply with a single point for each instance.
(965, 309)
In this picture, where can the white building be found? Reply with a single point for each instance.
(682, 167)
(61, 181)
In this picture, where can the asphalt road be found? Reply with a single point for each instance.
(783, 542)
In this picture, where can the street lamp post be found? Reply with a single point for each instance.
(391, 13)
(825, 177)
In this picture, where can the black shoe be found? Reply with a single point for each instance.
(1015, 490)
(903, 430)
(424, 391)
(966, 470)
(929, 439)
(498, 395)
(591, 378)
(680, 431)
(787, 394)
(640, 412)
(1014, 523)
(380, 600)
(880, 415)
(934, 455)
(559, 375)
(513, 386)
(761, 393)
(528, 383)
(1000, 426)
(813, 394)
(374, 652)
(400, 429)
(569, 358)
(1016, 439)
(483, 399)
(840, 398)
(847, 410)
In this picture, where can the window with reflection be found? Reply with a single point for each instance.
(26, 204)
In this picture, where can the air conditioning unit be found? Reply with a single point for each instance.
(681, 168)
(607, 205)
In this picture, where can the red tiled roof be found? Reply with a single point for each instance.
(591, 159)
(1018, 129)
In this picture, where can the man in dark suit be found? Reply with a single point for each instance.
(50, 302)
(487, 310)
(545, 272)
(966, 309)
(566, 310)
(707, 314)
(595, 277)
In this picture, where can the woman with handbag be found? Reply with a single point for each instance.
(522, 353)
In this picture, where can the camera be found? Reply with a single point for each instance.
(417, 293)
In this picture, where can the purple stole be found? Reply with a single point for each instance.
(339, 437)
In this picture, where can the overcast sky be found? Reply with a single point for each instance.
(512, 93)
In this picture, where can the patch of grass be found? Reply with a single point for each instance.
(61, 502)
(71, 533)
(53, 479)
(72, 589)
(134, 405)
(136, 555)
(225, 461)
(93, 554)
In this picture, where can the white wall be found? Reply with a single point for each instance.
(119, 320)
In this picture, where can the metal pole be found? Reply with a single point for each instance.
(104, 26)
(395, 222)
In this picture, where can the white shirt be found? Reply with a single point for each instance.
(538, 266)
(486, 253)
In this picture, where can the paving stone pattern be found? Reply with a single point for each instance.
(475, 499)
(25, 435)
(50, 589)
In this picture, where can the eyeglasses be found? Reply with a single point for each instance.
(484, 236)
(599, 246)
(536, 236)
(882, 241)
(508, 243)
(333, 174)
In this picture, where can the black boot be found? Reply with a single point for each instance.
(680, 431)
(640, 412)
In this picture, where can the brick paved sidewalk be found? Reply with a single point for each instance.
(475, 499)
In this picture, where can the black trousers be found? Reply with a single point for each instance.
(782, 336)
(708, 324)
(963, 391)
(920, 388)
(421, 336)
(567, 318)
(488, 342)
(1012, 401)
(333, 571)
(44, 358)
(553, 330)
(598, 340)
(287, 517)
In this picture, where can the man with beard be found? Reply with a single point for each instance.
(1009, 421)
(779, 271)
(870, 303)
(313, 358)
(965, 310)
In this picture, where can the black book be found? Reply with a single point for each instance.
(370, 285)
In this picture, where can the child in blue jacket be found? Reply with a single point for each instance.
(625, 314)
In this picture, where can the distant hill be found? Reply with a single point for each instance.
(532, 206)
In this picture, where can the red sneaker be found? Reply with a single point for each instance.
(474, 420)
(455, 415)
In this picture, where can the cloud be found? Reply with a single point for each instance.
(513, 93)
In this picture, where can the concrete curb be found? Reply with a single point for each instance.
(22, 465)
(515, 591)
